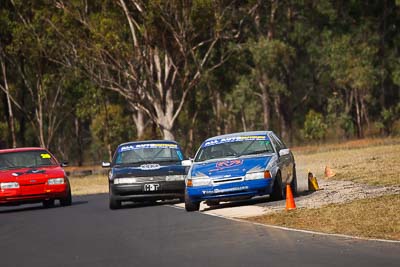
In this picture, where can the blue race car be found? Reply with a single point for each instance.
(239, 166)
(146, 171)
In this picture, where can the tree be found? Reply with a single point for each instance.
(168, 52)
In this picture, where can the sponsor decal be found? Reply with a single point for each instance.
(221, 191)
(146, 167)
(140, 146)
(236, 139)
(228, 164)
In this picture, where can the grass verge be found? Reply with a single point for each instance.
(370, 218)
(373, 164)
(92, 184)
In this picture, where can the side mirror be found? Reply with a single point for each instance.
(106, 164)
(64, 164)
(187, 163)
(284, 152)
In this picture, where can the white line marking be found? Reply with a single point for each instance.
(295, 230)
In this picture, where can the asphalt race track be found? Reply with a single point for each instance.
(89, 234)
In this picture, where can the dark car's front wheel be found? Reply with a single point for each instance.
(114, 203)
(191, 205)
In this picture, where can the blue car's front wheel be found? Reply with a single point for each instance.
(191, 205)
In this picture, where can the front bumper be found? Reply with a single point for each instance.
(32, 194)
(140, 191)
(231, 190)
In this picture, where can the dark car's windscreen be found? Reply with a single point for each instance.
(234, 147)
(148, 153)
(31, 159)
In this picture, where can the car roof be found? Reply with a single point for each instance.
(21, 149)
(149, 142)
(238, 134)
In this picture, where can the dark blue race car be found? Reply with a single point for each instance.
(146, 171)
(239, 166)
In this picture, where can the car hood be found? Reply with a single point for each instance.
(146, 170)
(23, 174)
(230, 167)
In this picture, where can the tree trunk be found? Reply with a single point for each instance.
(265, 104)
(167, 134)
(39, 114)
(138, 118)
(217, 111)
(10, 111)
(360, 132)
(271, 30)
(78, 135)
(190, 141)
(243, 118)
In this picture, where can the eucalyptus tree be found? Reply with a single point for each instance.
(151, 52)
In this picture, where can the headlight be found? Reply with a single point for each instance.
(55, 181)
(257, 175)
(12, 185)
(198, 181)
(175, 178)
(125, 180)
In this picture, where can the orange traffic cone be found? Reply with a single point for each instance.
(290, 205)
(328, 172)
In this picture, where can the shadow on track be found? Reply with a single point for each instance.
(130, 205)
(38, 206)
(253, 201)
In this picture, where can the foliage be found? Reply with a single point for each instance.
(109, 127)
(314, 126)
(193, 69)
(388, 118)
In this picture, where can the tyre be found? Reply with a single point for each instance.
(278, 192)
(48, 203)
(67, 201)
(114, 204)
(212, 203)
(293, 184)
(191, 205)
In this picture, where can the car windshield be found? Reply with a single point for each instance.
(26, 159)
(234, 147)
(148, 153)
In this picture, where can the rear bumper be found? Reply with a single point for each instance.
(231, 190)
(165, 190)
(23, 196)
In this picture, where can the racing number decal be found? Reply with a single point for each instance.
(151, 187)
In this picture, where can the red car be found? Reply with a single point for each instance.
(32, 175)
